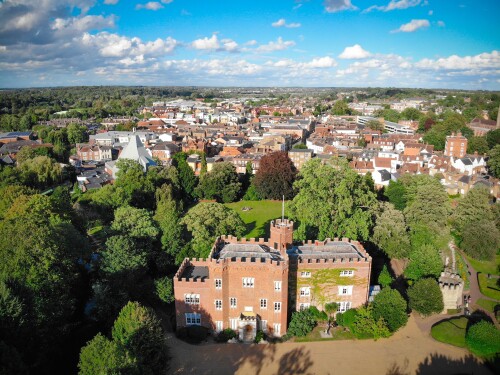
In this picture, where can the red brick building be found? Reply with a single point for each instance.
(250, 285)
(456, 145)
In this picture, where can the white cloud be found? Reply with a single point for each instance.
(354, 52)
(213, 44)
(321, 62)
(111, 2)
(332, 6)
(282, 23)
(481, 61)
(152, 5)
(252, 42)
(412, 26)
(279, 45)
(441, 24)
(395, 4)
(81, 24)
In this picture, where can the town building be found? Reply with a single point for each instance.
(251, 285)
(456, 145)
(299, 157)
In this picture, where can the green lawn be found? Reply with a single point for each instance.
(485, 266)
(257, 219)
(489, 287)
(451, 332)
(487, 304)
(337, 334)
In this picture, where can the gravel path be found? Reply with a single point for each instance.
(409, 351)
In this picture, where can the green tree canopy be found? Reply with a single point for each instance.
(390, 232)
(138, 190)
(474, 207)
(40, 172)
(275, 176)
(391, 306)
(221, 183)
(396, 193)
(135, 222)
(187, 178)
(167, 215)
(477, 144)
(411, 114)
(483, 338)
(426, 297)
(205, 222)
(121, 254)
(493, 138)
(332, 201)
(494, 161)
(425, 261)
(481, 239)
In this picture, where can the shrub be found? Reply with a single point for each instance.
(165, 289)
(483, 339)
(226, 335)
(384, 278)
(259, 337)
(302, 323)
(347, 319)
(319, 316)
(390, 306)
(365, 325)
(193, 334)
(425, 297)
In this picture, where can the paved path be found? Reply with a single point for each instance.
(409, 351)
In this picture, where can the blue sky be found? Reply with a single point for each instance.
(401, 43)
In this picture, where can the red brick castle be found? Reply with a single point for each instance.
(250, 285)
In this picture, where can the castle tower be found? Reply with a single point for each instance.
(281, 235)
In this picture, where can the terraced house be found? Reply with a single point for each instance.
(251, 285)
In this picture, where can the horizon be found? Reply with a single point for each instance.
(412, 44)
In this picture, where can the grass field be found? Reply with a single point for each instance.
(257, 219)
(451, 332)
(489, 287)
(486, 266)
(487, 304)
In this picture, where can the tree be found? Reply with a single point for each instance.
(301, 324)
(167, 215)
(474, 207)
(390, 306)
(77, 133)
(299, 146)
(411, 114)
(165, 289)
(385, 278)
(138, 330)
(481, 239)
(365, 325)
(103, 356)
(494, 161)
(483, 339)
(40, 172)
(138, 191)
(375, 125)
(426, 297)
(221, 183)
(425, 261)
(122, 255)
(493, 138)
(477, 144)
(341, 108)
(389, 233)
(24, 154)
(205, 222)
(188, 180)
(9, 194)
(396, 193)
(332, 201)
(388, 114)
(135, 222)
(275, 176)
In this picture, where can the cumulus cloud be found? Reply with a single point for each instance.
(152, 5)
(412, 26)
(213, 44)
(321, 62)
(354, 52)
(278, 45)
(81, 24)
(333, 6)
(282, 23)
(111, 2)
(395, 4)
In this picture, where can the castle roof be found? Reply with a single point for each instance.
(246, 250)
(328, 249)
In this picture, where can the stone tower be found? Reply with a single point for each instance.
(281, 237)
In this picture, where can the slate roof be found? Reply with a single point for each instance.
(239, 250)
(196, 272)
(328, 250)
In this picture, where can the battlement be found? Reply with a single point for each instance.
(332, 260)
(282, 223)
(449, 280)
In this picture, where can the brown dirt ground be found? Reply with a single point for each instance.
(410, 351)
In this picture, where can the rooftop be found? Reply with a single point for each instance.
(238, 250)
(328, 250)
(196, 272)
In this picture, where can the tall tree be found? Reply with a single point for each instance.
(481, 239)
(332, 201)
(275, 176)
(396, 193)
(424, 262)
(477, 144)
(474, 207)
(426, 297)
(391, 306)
(221, 183)
(167, 215)
(205, 222)
(138, 190)
(494, 161)
(40, 172)
(390, 232)
(187, 178)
